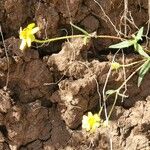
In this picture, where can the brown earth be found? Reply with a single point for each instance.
(51, 87)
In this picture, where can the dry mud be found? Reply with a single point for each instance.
(51, 87)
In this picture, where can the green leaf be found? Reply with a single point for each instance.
(80, 29)
(139, 34)
(123, 44)
(110, 92)
(143, 71)
(140, 50)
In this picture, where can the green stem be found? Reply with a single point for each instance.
(130, 77)
(117, 91)
(108, 37)
(80, 29)
(77, 36)
(134, 63)
(58, 38)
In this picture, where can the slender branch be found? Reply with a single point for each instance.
(58, 38)
(134, 63)
(78, 36)
(130, 77)
(109, 37)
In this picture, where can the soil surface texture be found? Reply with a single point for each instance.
(46, 90)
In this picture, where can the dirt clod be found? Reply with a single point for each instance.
(46, 89)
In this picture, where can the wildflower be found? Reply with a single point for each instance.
(90, 122)
(115, 66)
(27, 35)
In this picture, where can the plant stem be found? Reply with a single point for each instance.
(58, 38)
(130, 77)
(116, 97)
(117, 91)
(78, 36)
(134, 63)
(109, 37)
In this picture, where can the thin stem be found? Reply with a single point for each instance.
(134, 63)
(77, 36)
(58, 38)
(117, 91)
(80, 29)
(130, 77)
(116, 97)
(109, 37)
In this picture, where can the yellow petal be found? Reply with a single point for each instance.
(85, 120)
(96, 117)
(88, 128)
(21, 34)
(85, 117)
(28, 42)
(95, 126)
(20, 30)
(22, 45)
(34, 30)
(90, 114)
(85, 125)
(31, 25)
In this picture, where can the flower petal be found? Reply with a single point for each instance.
(85, 126)
(22, 45)
(84, 120)
(28, 42)
(34, 30)
(31, 26)
(90, 114)
(21, 32)
(88, 128)
(91, 122)
(96, 117)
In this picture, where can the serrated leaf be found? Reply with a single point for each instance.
(123, 44)
(143, 71)
(110, 92)
(139, 34)
(140, 50)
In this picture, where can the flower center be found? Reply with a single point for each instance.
(91, 121)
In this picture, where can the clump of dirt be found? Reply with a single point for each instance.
(44, 94)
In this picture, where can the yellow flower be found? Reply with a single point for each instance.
(27, 35)
(90, 122)
(115, 66)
